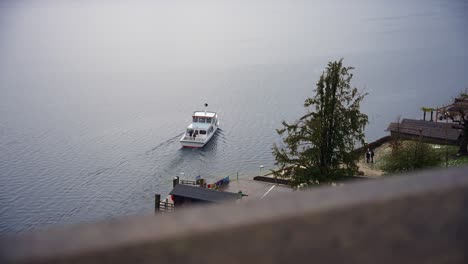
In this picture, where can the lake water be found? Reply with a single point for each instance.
(95, 95)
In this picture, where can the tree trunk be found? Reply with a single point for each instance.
(463, 146)
(424, 115)
(432, 113)
(464, 140)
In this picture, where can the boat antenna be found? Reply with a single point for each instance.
(206, 106)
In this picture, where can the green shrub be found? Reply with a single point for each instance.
(410, 155)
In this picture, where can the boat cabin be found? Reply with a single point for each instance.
(201, 124)
(197, 129)
(201, 129)
(204, 117)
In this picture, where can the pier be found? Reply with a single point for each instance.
(192, 192)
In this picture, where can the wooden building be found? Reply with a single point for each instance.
(442, 133)
(187, 194)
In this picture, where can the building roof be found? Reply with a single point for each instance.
(439, 130)
(204, 126)
(202, 194)
(459, 104)
(204, 114)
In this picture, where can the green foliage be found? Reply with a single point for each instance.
(460, 161)
(427, 109)
(411, 155)
(453, 159)
(319, 146)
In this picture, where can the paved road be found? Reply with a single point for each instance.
(255, 189)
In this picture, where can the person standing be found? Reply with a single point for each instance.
(368, 154)
(372, 156)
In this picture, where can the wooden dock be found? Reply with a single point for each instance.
(256, 190)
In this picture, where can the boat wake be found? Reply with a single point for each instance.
(162, 144)
(137, 156)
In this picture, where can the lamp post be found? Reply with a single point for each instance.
(365, 149)
(446, 115)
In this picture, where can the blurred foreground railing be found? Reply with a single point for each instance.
(420, 218)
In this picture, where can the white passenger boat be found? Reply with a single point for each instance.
(201, 130)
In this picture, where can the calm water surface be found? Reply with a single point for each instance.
(95, 95)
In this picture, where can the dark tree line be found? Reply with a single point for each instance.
(458, 113)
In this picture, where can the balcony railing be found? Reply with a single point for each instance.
(417, 218)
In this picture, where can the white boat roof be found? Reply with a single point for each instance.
(204, 114)
(204, 126)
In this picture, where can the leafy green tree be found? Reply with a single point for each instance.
(319, 146)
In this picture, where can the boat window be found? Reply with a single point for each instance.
(201, 120)
(195, 119)
(202, 132)
(208, 120)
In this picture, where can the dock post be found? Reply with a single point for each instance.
(157, 202)
(175, 181)
(201, 183)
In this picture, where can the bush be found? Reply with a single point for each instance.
(410, 155)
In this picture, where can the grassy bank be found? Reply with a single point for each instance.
(413, 156)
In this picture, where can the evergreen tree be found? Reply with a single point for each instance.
(319, 146)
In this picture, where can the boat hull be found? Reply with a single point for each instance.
(192, 144)
(189, 143)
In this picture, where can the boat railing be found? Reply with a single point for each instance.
(198, 138)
